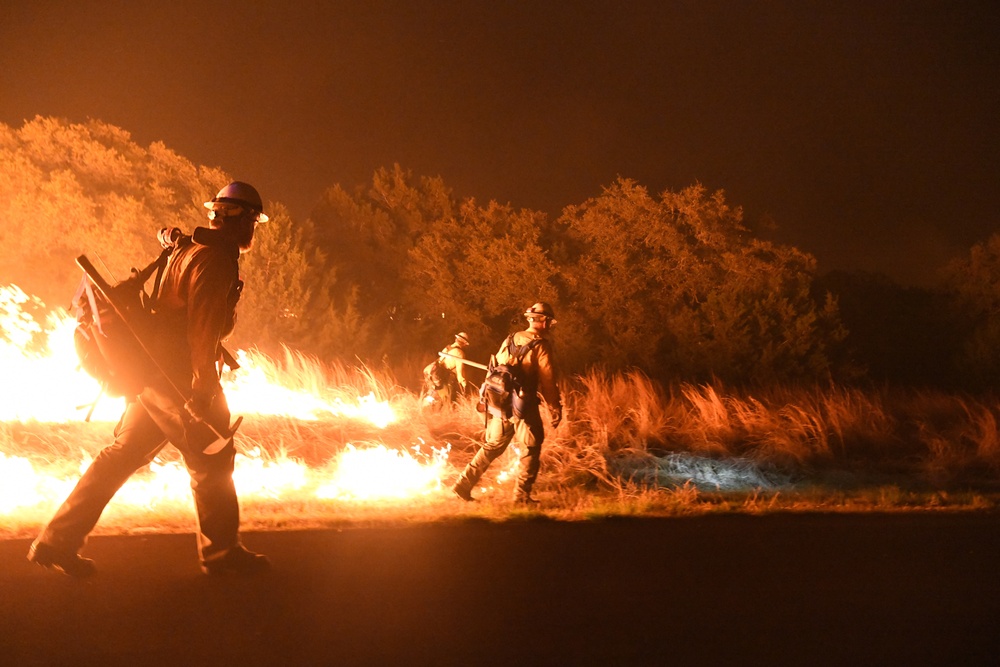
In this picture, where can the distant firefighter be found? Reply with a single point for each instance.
(523, 374)
(444, 378)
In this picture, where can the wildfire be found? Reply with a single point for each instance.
(41, 383)
(379, 472)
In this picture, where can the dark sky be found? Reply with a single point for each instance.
(867, 130)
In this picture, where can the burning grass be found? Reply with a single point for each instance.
(627, 447)
(331, 444)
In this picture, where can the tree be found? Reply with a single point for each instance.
(674, 284)
(479, 269)
(679, 286)
(974, 282)
(902, 335)
(85, 188)
(366, 238)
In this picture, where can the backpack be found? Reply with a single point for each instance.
(108, 347)
(500, 394)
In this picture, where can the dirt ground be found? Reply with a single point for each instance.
(900, 589)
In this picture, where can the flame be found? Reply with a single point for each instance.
(381, 473)
(254, 389)
(37, 366)
(365, 474)
(42, 383)
(22, 487)
(46, 392)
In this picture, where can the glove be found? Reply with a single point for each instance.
(556, 418)
(198, 406)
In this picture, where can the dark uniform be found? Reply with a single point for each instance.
(195, 310)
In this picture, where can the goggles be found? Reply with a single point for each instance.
(222, 210)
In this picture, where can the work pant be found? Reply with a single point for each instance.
(138, 438)
(527, 433)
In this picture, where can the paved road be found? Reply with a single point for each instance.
(916, 589)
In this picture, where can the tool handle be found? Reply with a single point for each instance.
(94, 275)
(474, 364)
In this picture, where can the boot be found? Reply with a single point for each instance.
(238, 561)
(524, 499)
(463, 489)
(68, 562)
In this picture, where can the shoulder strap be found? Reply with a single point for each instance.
(512, 349)
(161, 264)
(517, 352)
(158, 265)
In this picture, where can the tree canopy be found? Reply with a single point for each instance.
(674, 284)
(678, 283)
(86, 188)
(975, 282)
(68, 189)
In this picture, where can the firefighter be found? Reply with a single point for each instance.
(184, 405)
(524, 426)
(444, 378)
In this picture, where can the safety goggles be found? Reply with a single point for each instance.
(221, 210)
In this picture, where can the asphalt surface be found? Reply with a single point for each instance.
(904, 589)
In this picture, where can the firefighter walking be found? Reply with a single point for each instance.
(523, 424)
(184, 405)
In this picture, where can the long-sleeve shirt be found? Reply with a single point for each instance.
(454, 365)
(197, 303)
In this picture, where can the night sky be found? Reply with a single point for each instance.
(866, 130)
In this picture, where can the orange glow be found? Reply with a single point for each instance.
(41, 385)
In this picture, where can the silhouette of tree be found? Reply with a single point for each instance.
(974, 282)
(899, 335)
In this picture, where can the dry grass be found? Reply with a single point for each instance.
(626, 447)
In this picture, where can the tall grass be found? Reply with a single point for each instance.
(627, 445)
(929, 437)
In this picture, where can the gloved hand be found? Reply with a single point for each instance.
(198, 406)
(556, 418)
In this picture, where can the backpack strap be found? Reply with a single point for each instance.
(161, 265)
(518, 352)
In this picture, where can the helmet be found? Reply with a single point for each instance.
(462, 338)
(541, 309)
(240, 193)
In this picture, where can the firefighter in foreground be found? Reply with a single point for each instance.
(530, 353)
(194, 312)
(444, 378)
